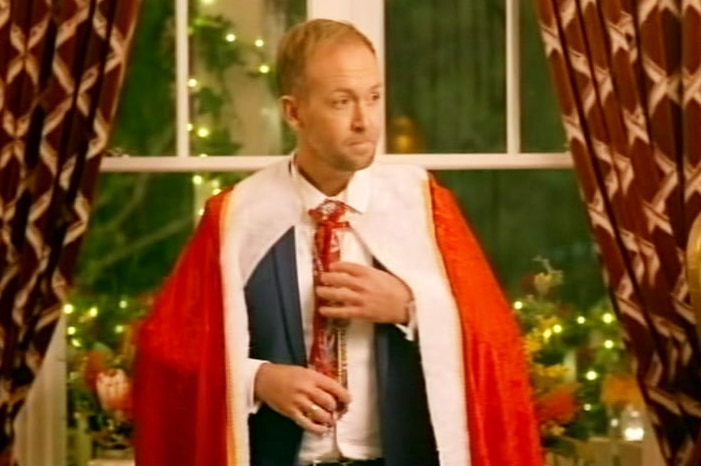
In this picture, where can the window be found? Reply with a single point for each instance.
(446, 76)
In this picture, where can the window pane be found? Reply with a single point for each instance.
(541, 127)
(234, 108)
(521, 215)
(445, 76)
(145, 123)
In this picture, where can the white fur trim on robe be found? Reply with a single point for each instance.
(398, 231)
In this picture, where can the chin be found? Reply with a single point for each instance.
(359, 162)
(363, 158)
(354, 158)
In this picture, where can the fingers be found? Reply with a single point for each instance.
(333, 388)
(319, 415)
(310, 399)
(321, 410)
(342, 312)
(324, 400)
(351, 268)
(338, 295)
(342, 280)
(307, 423)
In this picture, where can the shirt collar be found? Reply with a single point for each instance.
(356, 195)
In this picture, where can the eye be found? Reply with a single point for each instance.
(375, 97)
(341, 102)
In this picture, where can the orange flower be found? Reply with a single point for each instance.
(114, 391)
(618, 390)
(559, 405)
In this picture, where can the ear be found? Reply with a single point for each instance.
(290, 111)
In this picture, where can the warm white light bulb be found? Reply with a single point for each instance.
(230, 37)
(259, 43)
(634, 434)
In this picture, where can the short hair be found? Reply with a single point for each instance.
(302, 41)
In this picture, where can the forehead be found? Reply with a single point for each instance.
(349, 65)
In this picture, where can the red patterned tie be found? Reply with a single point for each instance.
(326, 355)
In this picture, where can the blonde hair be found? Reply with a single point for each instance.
(300, 43)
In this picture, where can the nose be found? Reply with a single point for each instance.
(361, 117)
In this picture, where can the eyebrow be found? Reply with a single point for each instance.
(376, 87)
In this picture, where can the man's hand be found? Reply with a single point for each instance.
(355, 291)
(309, 398)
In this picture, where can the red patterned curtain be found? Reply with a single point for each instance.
(61, 69)
(628, 78)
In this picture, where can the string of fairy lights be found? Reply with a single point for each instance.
(607, 319)
(79, 319)
(203, 131)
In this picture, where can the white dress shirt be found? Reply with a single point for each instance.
(357, 433)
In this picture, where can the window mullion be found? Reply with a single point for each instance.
(513, 94)
(182, 104)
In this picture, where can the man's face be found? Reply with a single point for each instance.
(337, 113)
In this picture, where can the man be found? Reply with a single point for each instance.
(330, 310)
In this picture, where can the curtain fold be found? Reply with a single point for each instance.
(61, 69)
(628, 79)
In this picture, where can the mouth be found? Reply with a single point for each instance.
(364, 142)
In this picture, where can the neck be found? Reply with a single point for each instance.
(327, 180)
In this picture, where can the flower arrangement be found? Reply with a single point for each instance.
(577, 364)
(556, 399)
(101, 351)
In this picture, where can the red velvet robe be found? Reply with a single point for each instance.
(181, 394)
